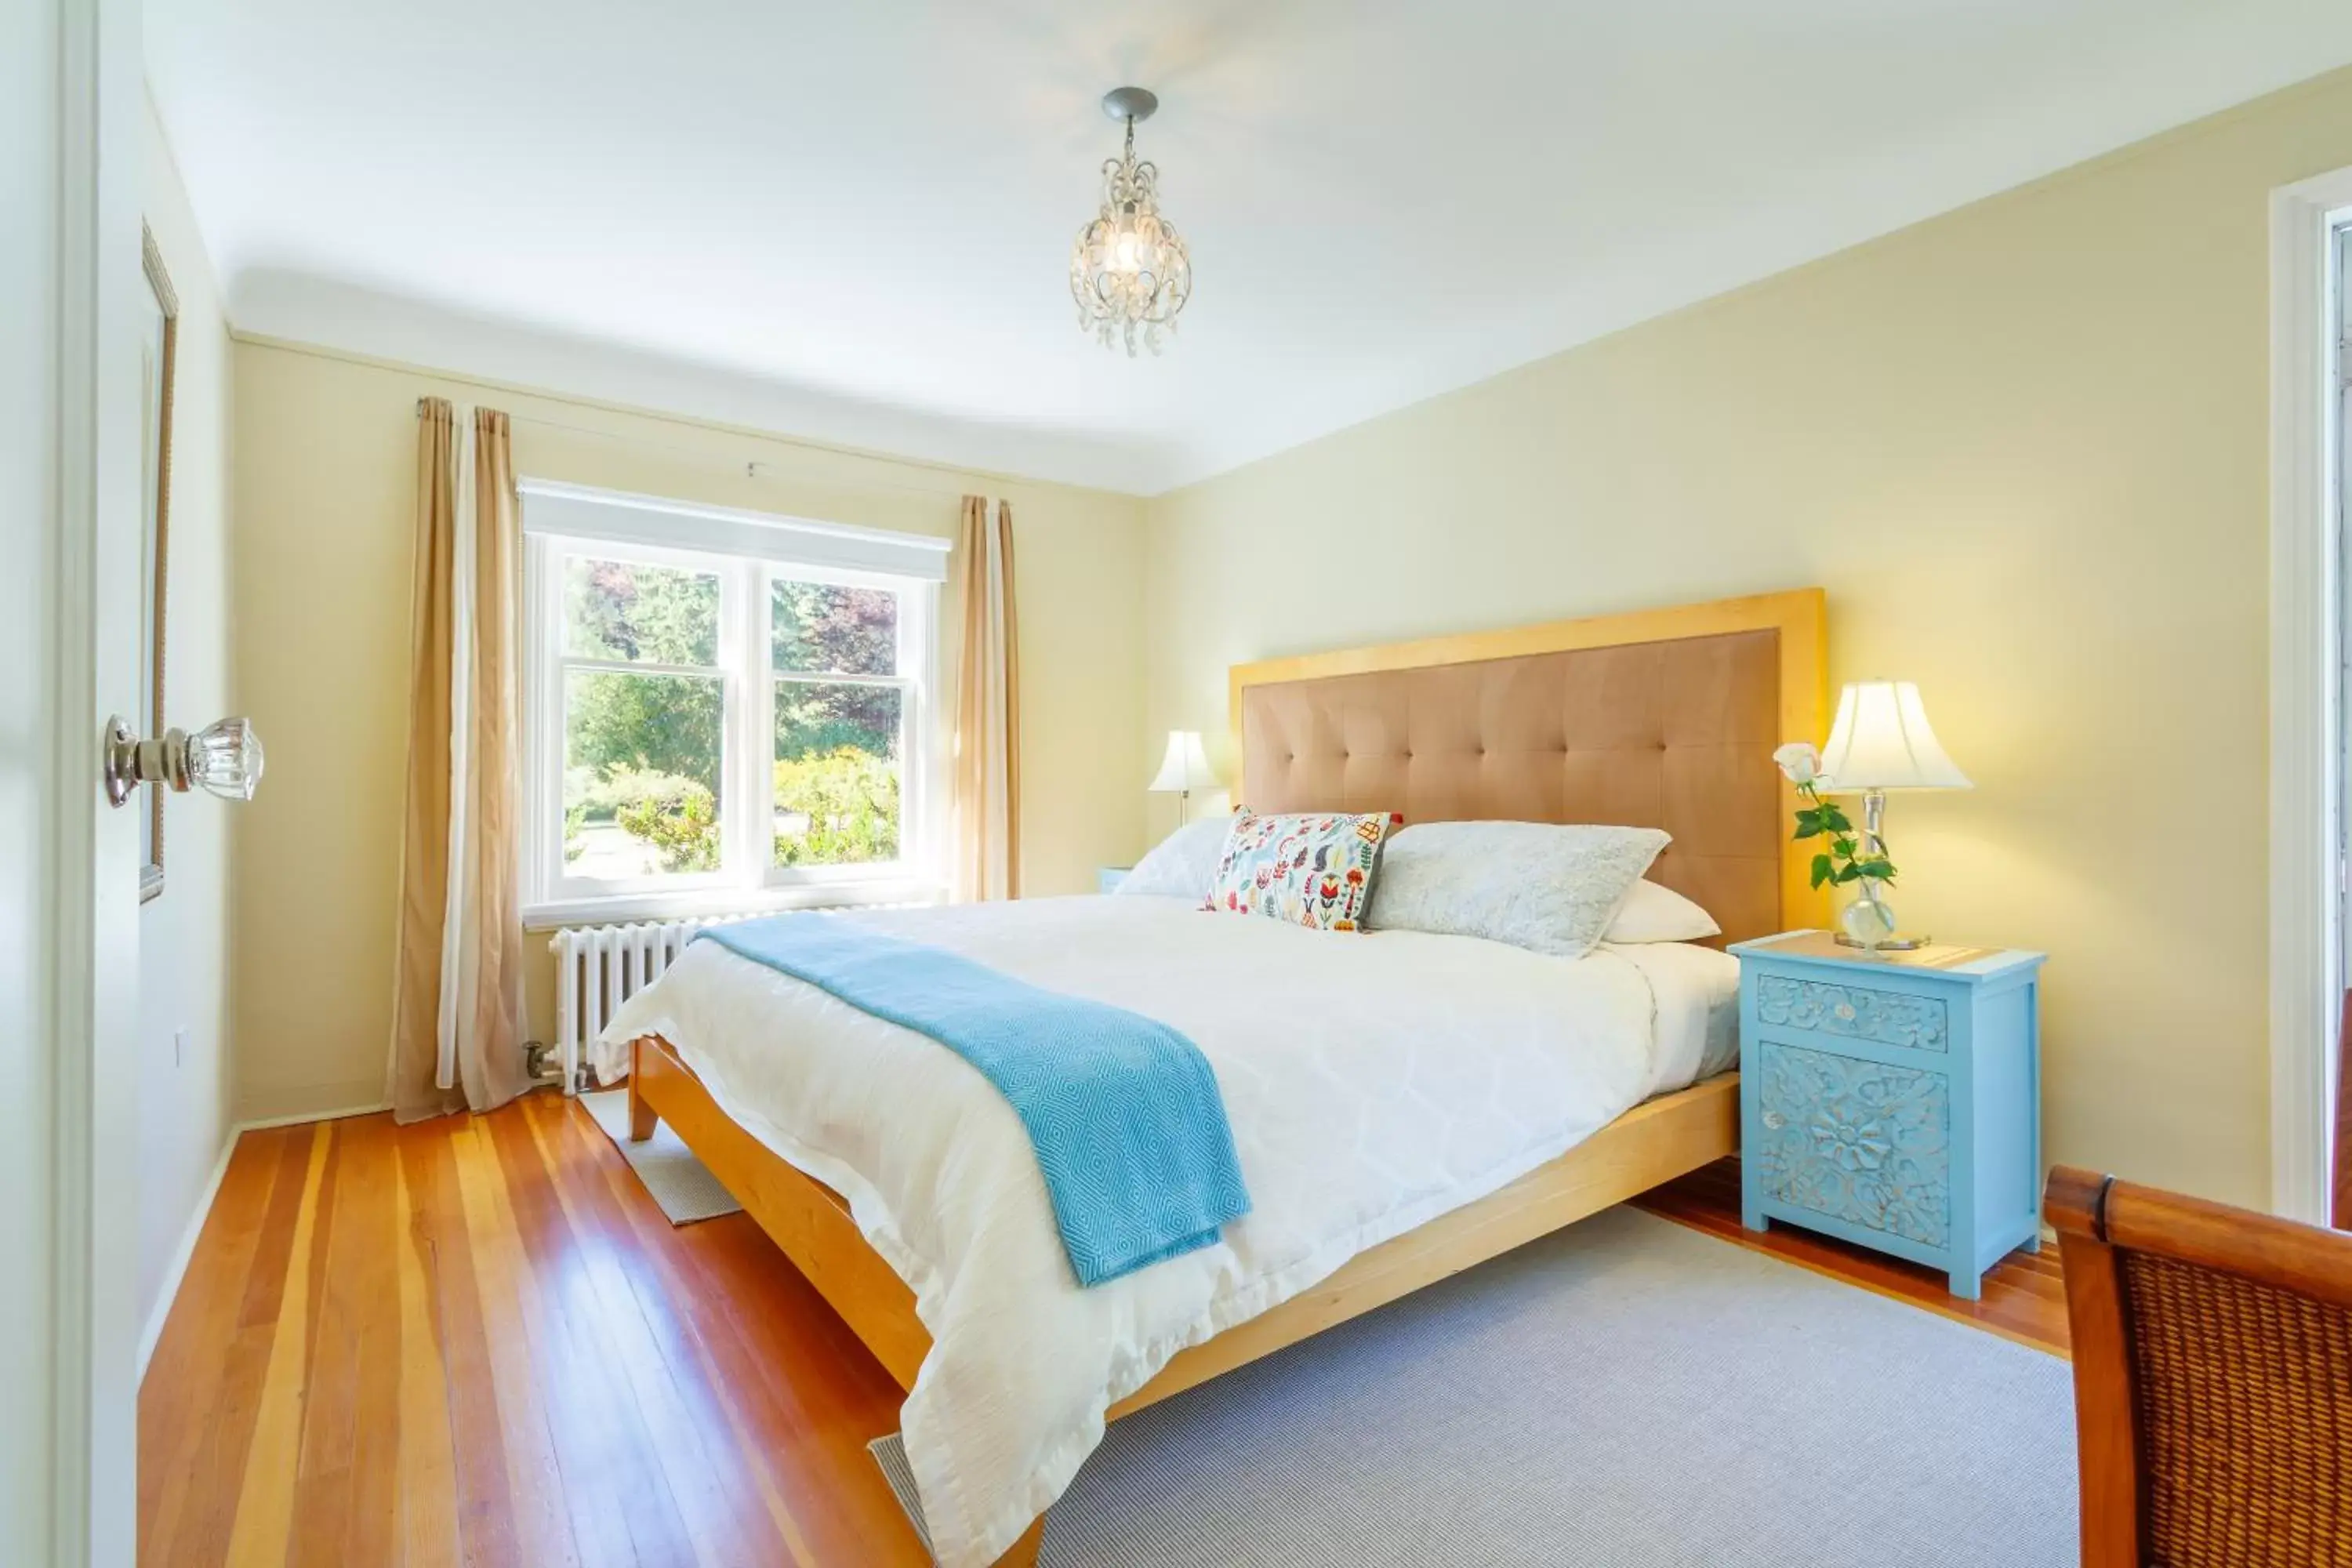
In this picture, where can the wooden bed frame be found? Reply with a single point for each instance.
(1654, 1143)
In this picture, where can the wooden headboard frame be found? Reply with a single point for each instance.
(1367, 711)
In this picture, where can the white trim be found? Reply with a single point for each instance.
(304, 1117)
(2307, 650)
(579, 512)
(619, 908)
(175, 1272)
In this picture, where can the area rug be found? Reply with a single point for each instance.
(682, 1184)
(1626, 1394)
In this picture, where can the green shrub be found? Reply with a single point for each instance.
(677, 816)
(851, 800)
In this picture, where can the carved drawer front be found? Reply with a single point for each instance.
(1890, 1018)
(1857, 1140)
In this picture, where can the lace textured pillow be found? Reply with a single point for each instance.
(1183, 865)
(1533, 885)
(1314, 869)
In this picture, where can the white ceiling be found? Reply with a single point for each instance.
(852, 220)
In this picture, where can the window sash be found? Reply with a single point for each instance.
(911, 653)
(749, 678)
(549, 881)
(571, 661)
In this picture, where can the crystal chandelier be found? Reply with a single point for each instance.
(1129, 274)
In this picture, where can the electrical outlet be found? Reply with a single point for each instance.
(179, 1048)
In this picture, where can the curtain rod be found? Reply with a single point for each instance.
(754, 468)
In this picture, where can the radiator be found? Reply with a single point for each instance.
(597, 968)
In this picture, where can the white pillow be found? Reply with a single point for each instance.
(1653, 913)
(1534, 885)
(1183, 865)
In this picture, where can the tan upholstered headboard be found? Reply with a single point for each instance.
(1659, 719)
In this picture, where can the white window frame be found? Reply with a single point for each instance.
(747, 552)
(2308, 879)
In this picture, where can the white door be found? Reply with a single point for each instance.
(71, 87)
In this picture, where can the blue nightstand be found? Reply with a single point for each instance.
(1893, 1101)
(1108, 878)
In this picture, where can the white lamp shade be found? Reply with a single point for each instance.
(1882, 741)
(1186, 765)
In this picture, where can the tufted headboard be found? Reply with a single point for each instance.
(1659, 719)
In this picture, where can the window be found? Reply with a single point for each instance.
(724, 710)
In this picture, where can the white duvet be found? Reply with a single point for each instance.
(1373, 1081)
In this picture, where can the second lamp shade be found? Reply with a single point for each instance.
(1186, 765)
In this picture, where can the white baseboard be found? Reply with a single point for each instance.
(176, 1273)
(263, 1123)
(177, 1269)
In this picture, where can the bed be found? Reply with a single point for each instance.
(1388, 1138)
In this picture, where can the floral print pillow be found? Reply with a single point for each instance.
(1313, 870)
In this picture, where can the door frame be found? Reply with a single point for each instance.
(2308, 650)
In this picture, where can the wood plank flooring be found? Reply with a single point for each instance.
(2024, 1295)
(478, 1340)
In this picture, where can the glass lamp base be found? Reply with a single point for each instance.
(1868, 922)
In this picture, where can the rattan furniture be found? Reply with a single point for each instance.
(2212, 1379)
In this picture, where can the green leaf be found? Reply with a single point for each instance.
(1808, 829)
(1846, 874)
(1843, 846)
(1878, 869)
(1821, 870)
(1834, 817)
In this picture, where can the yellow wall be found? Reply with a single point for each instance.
(183, 936)
(326, 454)
(2024, 446)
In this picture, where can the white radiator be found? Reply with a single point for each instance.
(597, 968)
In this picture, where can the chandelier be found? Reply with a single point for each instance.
(1129, 274)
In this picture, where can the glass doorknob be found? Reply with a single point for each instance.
(224, 758)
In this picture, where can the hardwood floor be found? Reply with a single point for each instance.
(478, 1340)
(2024, 1297)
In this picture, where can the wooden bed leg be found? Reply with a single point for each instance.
(1023, 1553)
(643, 1118)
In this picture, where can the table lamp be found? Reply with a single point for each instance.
(1881, 742)
(1185, 769)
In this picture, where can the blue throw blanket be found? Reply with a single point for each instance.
(1122, 1110)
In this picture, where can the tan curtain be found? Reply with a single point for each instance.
(456, 1039)
(988, 712)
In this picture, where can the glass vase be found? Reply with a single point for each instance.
(1868, 922)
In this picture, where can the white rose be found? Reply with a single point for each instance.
(1802, 760)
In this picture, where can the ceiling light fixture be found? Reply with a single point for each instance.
(1129, 273)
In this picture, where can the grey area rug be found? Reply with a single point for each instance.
(1626, 1394)
(682, 1184)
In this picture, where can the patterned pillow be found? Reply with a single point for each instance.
(1311, 870)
